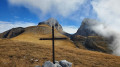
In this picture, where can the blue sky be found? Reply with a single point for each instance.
(30, 12)
(13, 13)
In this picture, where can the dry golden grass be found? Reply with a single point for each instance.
(34, 33)
(25, 49)
(23, 54)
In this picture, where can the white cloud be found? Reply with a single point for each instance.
(8, 25)
(108, 11)
(59, 7)
(70, 29)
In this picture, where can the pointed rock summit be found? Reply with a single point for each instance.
(85, 28)
(52, 22)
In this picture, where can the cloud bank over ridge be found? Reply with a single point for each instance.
(109, 13)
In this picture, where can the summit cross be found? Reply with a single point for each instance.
(53, 47)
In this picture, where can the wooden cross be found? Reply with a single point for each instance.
(53, 50)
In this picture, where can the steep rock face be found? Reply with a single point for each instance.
(52, 22)
(85, 28)
(12, 32)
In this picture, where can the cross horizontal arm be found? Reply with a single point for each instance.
(52, 38)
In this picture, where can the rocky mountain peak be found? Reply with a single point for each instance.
(89, 22)
(52, 22)
(85, 28)
(12, 32)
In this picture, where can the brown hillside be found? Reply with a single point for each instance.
(79, 41)
(26, 54)
(95, 43)
(34, 33)
(26, 50)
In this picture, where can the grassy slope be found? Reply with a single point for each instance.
(34, 33)
(23, 50)
(20, 54)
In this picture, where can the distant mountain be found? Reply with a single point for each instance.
(94, 43)
(85, 37)
(19, 30)
(85, 28)
(12, 32)
(22, 47)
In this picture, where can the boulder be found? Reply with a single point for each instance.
(50, 64)
(37, 66)
(65, 63)
(62, 63)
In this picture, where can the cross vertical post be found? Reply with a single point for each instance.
(53, 44)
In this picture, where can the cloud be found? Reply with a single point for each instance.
(8, 25)
(59, 7)
(70, 29)
(107, 10)
(108, 13)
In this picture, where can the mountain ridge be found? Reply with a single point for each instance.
(84, 38)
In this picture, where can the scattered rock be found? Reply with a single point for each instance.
(62, 63)
(65, 63)
(31, 59)
(37, 66)
(48, 64)
(36, 60)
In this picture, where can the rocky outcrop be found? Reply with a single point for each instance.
(52, 22)
(85, 28)
(62, 63)
(12, 32)
(65, 63)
